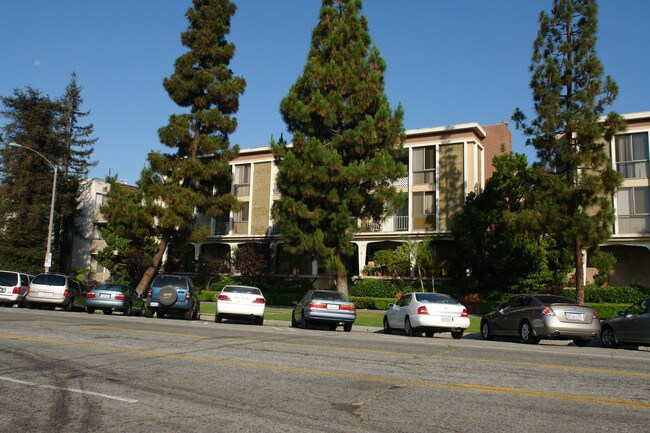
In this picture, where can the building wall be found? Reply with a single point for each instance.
(497, 141)
(260, 205)
(451, 183)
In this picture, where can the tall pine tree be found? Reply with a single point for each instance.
(570, 95)
(26, 179)
(342, 161)
(197, 175)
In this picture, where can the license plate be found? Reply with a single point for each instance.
(154, 304)
(104, 295)
(332, 307)
(445, 318)
(45, 294)
(574, 316)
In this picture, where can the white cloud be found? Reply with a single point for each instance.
(37, 63)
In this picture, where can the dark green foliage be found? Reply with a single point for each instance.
(342, 160)
(124, 259)
(500, 240)
(207, 295)
(613, 295)
(604, 261)
(570, 95)
(368, 303)
(50, 127)
(380, 288)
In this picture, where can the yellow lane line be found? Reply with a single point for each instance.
(463, 386)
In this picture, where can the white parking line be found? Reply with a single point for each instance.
(79, 391)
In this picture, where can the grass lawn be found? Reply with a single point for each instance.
(364, 317)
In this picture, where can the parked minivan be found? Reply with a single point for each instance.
(13, 286)
(56, 290)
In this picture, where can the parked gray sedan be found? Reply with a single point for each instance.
(114, 297)
(325, 307)
(533, 317)
(632, 326)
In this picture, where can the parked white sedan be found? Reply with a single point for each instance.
(240, 302)
(427, 312)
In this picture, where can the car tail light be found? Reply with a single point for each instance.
(259, 301)
(423, 310)
(149, 294)
(188, 295)
(317, 305)
(348, 308)
(596, 316)
(223, 298)
(90, 295)
(16, 291)
(120, 297)
(66, 292)
(464, 313)
(28, 289)
(548, 311)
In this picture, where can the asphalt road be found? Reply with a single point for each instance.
(74, 372)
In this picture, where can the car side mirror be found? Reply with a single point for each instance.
(295, 302)
(391, 306)
(621, 313)
(502, 311)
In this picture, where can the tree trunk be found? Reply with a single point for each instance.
(341, 276)
(580, 288)
(151, 270)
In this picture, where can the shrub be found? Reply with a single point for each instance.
(285, 299)
(369, 303)
(207, 295)
(380, 288)
(612, 295)
(606, 311)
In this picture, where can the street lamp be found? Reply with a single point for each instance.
(48, 251)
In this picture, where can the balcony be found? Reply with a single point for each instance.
(390, 224)
(220, 228)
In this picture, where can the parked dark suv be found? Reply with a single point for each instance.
(173, 294)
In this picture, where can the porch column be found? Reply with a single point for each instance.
(362, 247)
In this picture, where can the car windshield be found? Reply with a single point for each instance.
(434, 298)
(170, 280)
(553, 299)
(242, 289)
(113, 287)
(49, 280)
(7, 279)
(328, 295)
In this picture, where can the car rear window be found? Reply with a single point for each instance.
(49, 280)
(240, 289)
(170, 280)
(435, 298)
(328, 296)
(552, 299)
(113, 287)
(8, 279)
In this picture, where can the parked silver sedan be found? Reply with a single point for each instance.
(632, 326)
(114, 297)
(324, 307)
(533, 317)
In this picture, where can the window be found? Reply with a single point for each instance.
(424, 203)
(100, 199)
(424, 165)
(242, 180)
(633, 209)
(632, 155)
(241, 216)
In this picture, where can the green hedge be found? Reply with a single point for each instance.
(612, 295)
(207, 295)
(369, 303)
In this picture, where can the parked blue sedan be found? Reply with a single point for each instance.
(324, 307)
(115, 297)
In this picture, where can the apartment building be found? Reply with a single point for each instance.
(630, 241)
(444, 164)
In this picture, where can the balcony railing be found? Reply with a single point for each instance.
(390, 224)
(221, 228)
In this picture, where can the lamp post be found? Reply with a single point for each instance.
(48, 251)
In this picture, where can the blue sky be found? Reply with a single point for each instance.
(448, 62)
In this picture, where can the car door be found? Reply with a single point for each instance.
(403, 311)
(630, 328)
(499, 318)
(393, 314)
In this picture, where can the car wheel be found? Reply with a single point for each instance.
(408, 329)
(107, 311)
(218, 318)
(347, 327)
(332, 327)
(31, 305)
(294, 322)
(188, 315)
(608, 337)
(387, 328)
(580, 342)
(526, 333)
(160, 314)
(259, 321)
(486, 332)
(128, 311)
(457, 335)
(303, 321)
(68, 306)
(90, 310)
(148, 313)
(429, 333)
(22, 303)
